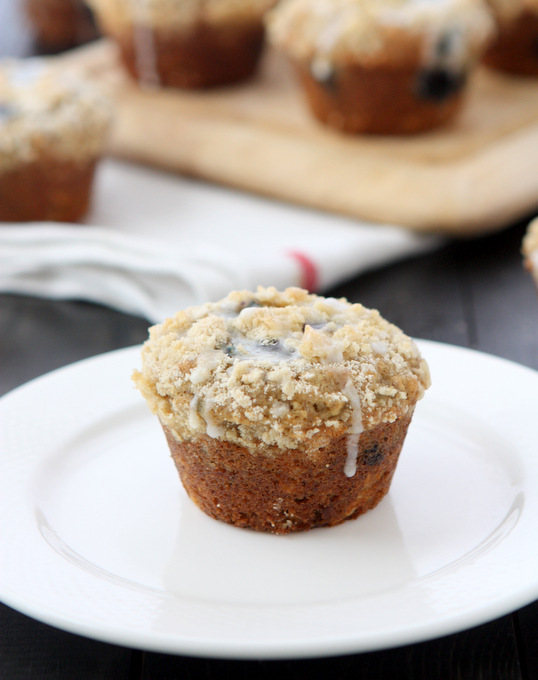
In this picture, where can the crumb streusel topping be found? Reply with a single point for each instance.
(178, 13)
(45, 112)
(279, 369)
(375, 31)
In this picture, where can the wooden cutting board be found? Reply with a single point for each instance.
(474, 176)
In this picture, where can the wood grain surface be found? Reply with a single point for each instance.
(471, 177)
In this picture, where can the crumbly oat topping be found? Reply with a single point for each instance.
(177, 13)
(44, 112)
(373, 31)
(279, 369)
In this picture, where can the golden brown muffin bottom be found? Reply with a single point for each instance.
(515, 50)
(288, 491)
(46, 189)
(382, 100)
(206, 56)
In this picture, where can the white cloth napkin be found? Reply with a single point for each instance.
(155, 243)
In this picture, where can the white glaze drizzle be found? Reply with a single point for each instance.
(253, 349)
(333, 353)
(379, 348)
(350, 467)
(321, 66)
(144, 47)
(202, 416)
(212, 429)
(194, 416)
(206, 364)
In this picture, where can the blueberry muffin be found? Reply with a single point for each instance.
(515, 48)
(283, 411)
(52, 135)
(185, 43)
(530, 250)
(382, 66)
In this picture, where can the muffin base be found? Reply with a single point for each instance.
(382, 100)
(46, 189)
(288, 490)
(206, 56)
(515, 50)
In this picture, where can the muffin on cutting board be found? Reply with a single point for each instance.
(190, 44)
(382, 66)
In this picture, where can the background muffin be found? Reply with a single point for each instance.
(52, 134)
(185, 43)
(283, 410)
(530, 249)
(382, 66)
(515, 48)
(60, 24)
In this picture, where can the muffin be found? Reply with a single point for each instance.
(52, 134)
(60, 24)
(185, 43)
(283, 411)
(515, 48)
(530, 250)
(382, 66)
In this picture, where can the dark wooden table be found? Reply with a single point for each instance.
(471, 293)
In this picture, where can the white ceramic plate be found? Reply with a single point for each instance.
(97, 536)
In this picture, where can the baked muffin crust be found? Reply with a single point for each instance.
(277, 370)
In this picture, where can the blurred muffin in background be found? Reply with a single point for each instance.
(382, 66)
(52, 134)
(185, 43)
(60, 24)
(530, 250)
(515, 49)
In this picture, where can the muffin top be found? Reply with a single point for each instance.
(177, 13)
(43, 111)
(277, 370)
(376, 32)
